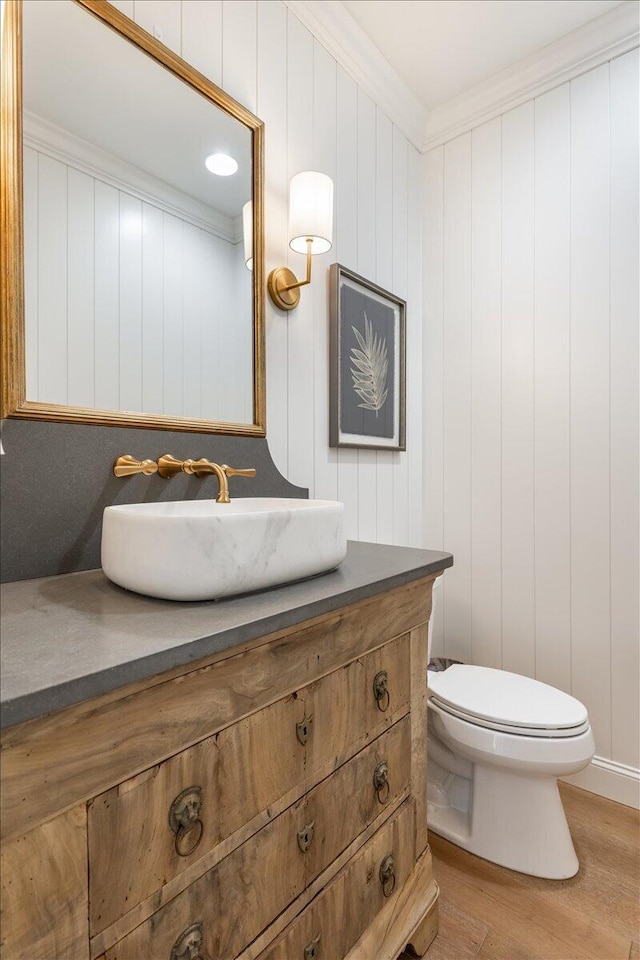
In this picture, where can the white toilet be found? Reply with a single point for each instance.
(497, 742)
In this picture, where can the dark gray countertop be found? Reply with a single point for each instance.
(69, 638)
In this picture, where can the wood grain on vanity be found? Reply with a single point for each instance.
(263, 804)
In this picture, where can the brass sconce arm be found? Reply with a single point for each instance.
(284, 287)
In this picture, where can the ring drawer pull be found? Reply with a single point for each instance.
(381, 690)
(381, 781)
(185, 822)
(189, 945)
(303, 730)
(312, 950)
(305, 836)
(387, 875)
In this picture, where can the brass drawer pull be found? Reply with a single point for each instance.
(185, 822)
(312, 950)
(381, 781)
(303, 730)
(381, 690)
(189, 945)
(305, 836)
(387, 875)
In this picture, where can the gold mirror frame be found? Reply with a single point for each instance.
(14, 402)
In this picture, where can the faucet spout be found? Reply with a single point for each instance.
(202, 467)
(168, 466)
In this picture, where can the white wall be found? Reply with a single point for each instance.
(316, 117)
(531, 398)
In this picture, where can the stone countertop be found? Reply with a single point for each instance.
(69, 638)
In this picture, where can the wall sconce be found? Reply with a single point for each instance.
(311, 232)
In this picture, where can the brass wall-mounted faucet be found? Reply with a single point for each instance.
(169, 466)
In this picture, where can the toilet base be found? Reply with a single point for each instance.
(513, 820)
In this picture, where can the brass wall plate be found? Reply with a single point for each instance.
(279, 280)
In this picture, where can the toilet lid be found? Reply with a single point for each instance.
(506, 699)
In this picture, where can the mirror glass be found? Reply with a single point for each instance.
(138, 283)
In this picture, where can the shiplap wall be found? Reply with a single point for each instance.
(127, 305)
(316, 117)
(531, 399)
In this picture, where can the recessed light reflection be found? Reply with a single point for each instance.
(221, 164)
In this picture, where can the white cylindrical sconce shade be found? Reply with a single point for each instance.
(247, 231)
(311, 212)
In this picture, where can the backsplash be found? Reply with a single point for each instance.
(56, 479)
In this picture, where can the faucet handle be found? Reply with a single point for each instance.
(232, 472)
(127, 466)
(168, 466)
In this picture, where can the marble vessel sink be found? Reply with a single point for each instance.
(203, 550)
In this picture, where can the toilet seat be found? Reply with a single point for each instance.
(507, 702)
(535, 732)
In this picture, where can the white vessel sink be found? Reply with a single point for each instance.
(203, 550)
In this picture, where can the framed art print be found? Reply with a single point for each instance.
(367, 364)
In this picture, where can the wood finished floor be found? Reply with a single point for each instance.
(490, 913)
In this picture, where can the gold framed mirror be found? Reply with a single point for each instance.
(132, 275)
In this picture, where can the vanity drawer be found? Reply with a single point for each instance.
(136, 844)
(140, 834)
(146, 831)
(234, 901)
(229, 904)
(339, 808)
(334, 718)
(346, 711)
(333, 922)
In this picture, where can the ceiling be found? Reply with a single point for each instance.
(441, 48)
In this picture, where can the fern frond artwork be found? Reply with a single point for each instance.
(370, 368)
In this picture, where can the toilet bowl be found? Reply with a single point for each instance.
(497, 742)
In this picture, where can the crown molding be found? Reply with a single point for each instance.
(334, 27)
(598, 41)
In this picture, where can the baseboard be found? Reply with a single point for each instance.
(616, 781)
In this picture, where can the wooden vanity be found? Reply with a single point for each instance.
(267, 801)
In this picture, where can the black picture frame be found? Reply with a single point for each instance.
(367, 369)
